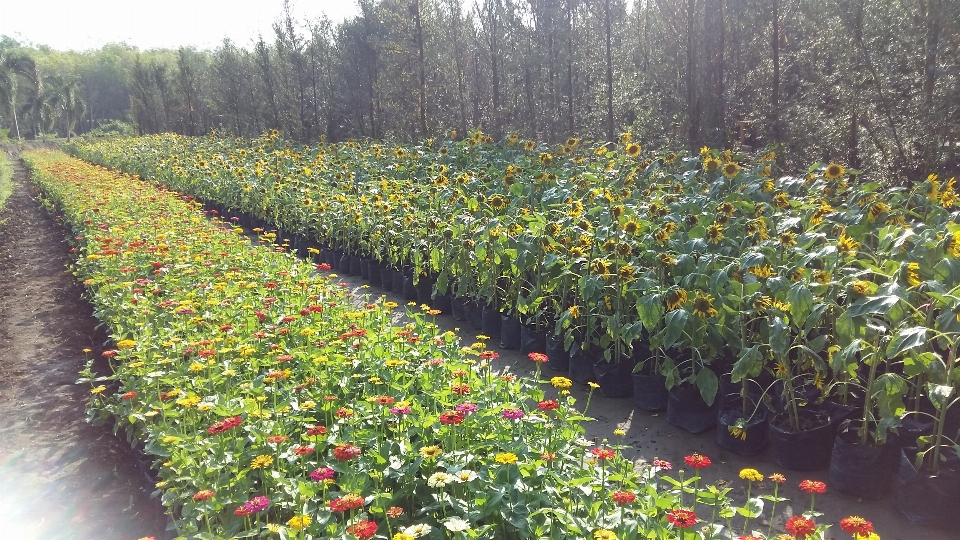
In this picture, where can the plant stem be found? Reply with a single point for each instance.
(942, 416)
(868, 390)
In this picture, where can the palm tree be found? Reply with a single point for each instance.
(63, 102)
(16, 67)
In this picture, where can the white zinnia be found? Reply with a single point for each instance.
(467, 475)
(418, 530)
(439, 479)
(457, 525)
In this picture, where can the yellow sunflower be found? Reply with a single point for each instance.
(633, 149)
(833, 171)
(676, 298)
(703, 306)
(730, 169)
(715, 233)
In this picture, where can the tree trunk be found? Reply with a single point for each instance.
(608, 45)
(775, 57)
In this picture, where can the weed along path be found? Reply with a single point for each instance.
(60, 478)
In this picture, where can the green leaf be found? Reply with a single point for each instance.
(708, 384)
(779, 337)
(650, 309)
(748, 365)
(939, 394)
(907, 339)
(674, 323)
(879, 305)
(801, 302)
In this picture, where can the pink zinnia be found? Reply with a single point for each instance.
(467, 407)
(321, 474)
(513, 414)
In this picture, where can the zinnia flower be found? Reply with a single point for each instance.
(512, 414)
(603, 454)
(697, 461)
(346, 452)
(856, 526)
(561, 382)
(363, 529)
(539, 358)
(800, 527)
(548, 405)
(813, 486)
(604, 534)
(682, 518)
(203, 495)
(506, 458)
(430, 452)
(418, 530)
(261, 462)
(623, 497)
(451, 417)
(300, 522)
(752, 475)
(456, 525)
(321, 474)
(394, 512)
(350, 501)
(439, 479)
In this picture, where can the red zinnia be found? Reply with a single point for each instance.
(451, 417)
(548, 405)
(316, 431)
(623, 497)
(350, 501)
(539, 358)
(224, 425)
(697, 461)
(460, 389)
(813, 486)
(489, 355)
(363, 529)
(603, 453)
(682, 518)
(394, 512)
(800, 527)
(277, 439)
(346, 452)
(856, 525)
(129, 395)
(302, 450)
(203, 495)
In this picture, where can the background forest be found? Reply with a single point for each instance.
(872, 83)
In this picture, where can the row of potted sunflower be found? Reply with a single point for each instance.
(720, 266)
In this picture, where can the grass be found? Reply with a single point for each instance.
(6, 176)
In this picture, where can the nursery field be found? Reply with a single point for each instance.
(803, 319)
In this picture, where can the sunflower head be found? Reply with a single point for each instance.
(631, 227)
(703, 306)
(715, 233)
(711, 164)
(788, 239)
(730, 169)
(529, 146)
(624, 250)
(497, 202)
(633, 149)
(833, 171)
(676, 298)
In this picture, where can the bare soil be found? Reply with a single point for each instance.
(60, 478)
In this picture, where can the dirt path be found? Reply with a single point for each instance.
(60, 478)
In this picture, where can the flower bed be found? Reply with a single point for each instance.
(807, 289)
(273, 402)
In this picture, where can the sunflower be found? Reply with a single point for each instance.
(703, 306)
(553, 229)
(497, 202)
(821, 277)
(624, 250)
(676, 298)
(797, 275)
(572, 142)
(661, 236)
(952, 245)
(913, 274)
(726, 208)
(631, 227)
(845, 244)
(633, 149)
(609, 246)
(715, 233)
(730, 169)
(781, 200)
(545, 158)
(762, 272)
(512, 139)
(625, 137)
(601, 267)
(656, 210)
(667, 260)
(617, 211)
(529, 146)
(767, 186)
(876, 209)
(711, 164)
(626, 272)
(833, 171)
(576, 252)
(861, 287)
(788, 239)
(669, 158)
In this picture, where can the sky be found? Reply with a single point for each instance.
(147, 24)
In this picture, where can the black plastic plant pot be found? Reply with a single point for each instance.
(861, 470)
(398, 281)
(365, 269)
(614, 377)
(532, 341)
(687, 410)
(490, 325)
(925, 498)
(409, 289)
(443, 303)
(581, 365)
(749, 441)
(343, 264)
(806, 450)
(425, 290)
(509, 332)
(557, 357)
(650, 392)
(386, 278)
(373, 270)
(355, 265)
(458, 308)
(474, 315)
